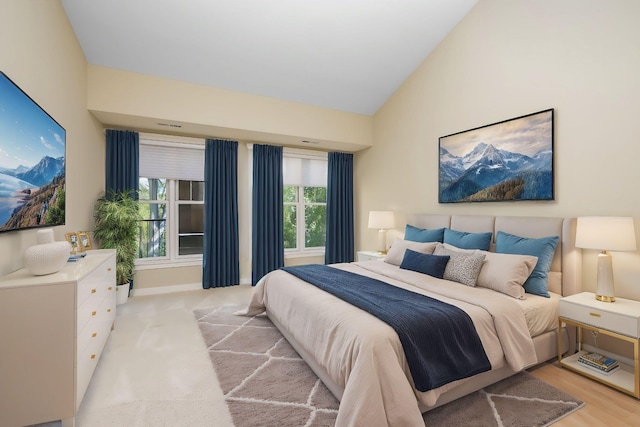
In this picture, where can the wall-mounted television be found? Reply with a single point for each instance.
(32, 162)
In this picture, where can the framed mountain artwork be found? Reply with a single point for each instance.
(508, 160)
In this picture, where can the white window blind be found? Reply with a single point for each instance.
(302, 171)
(159, 159)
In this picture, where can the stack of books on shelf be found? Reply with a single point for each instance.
(597, 362)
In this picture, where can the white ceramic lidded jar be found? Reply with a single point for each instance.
(47, 256)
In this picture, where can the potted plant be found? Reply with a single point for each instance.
(116, 227)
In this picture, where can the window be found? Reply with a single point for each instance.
(171, 202)
(305, 201)
(190, 217)
(153, 209)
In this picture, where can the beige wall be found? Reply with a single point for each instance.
(141, 101)
(138, 102)
(39, 52)
(161, 277)
(507, 58)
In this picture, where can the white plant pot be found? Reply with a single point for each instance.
(122, 293)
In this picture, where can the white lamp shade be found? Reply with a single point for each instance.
(606, 233)
(382, 220)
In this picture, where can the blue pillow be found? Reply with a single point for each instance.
(463, 240)
(416, 234)
(433, 265)
(544, 248)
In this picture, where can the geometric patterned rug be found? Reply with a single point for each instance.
(518, 401)
(266, 383)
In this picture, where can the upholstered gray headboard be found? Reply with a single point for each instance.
(565, 276)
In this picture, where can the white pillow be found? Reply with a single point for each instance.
(504, 273)
(399, 246)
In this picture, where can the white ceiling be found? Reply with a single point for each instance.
(348, 55)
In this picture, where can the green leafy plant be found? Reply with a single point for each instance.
(116, 227)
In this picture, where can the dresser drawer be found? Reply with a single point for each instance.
(97, 282)
(88, 311)
(97, 327)
(93, 290)
(604, 319)
(87, 362)
(87, 288)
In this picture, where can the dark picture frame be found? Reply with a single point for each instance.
(32, 164)
(503, 161)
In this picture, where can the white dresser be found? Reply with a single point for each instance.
(52, 331)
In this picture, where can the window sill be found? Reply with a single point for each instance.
(157, 264)
(304, 254)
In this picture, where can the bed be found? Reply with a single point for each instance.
(360, 358)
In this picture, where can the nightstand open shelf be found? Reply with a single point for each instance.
(624, 379)
(620, 320)
(621, 379)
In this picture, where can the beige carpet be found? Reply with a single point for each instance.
(266, 383)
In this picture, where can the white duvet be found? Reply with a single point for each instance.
(363, 355)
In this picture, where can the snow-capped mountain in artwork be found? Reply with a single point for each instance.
(487, 169)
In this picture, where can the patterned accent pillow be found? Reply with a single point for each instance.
(504, 273)
(462, 267)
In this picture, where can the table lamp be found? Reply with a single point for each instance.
(382, 220)
(605, 233)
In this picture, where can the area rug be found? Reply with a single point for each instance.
(265, 382)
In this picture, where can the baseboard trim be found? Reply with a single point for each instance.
(174, 288)
(166, 289)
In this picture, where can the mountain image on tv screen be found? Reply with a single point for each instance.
(32, 162)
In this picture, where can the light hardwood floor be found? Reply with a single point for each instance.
(155, 371)
(604, 405)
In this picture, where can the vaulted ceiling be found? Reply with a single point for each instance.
(348, 55)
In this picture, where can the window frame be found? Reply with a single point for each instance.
(165, 202)
(180, 202)
(301, 250)
(172, 258)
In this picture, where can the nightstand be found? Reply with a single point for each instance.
(370, 255)
(621, 320)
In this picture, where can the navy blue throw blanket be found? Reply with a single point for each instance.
(439, 340)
